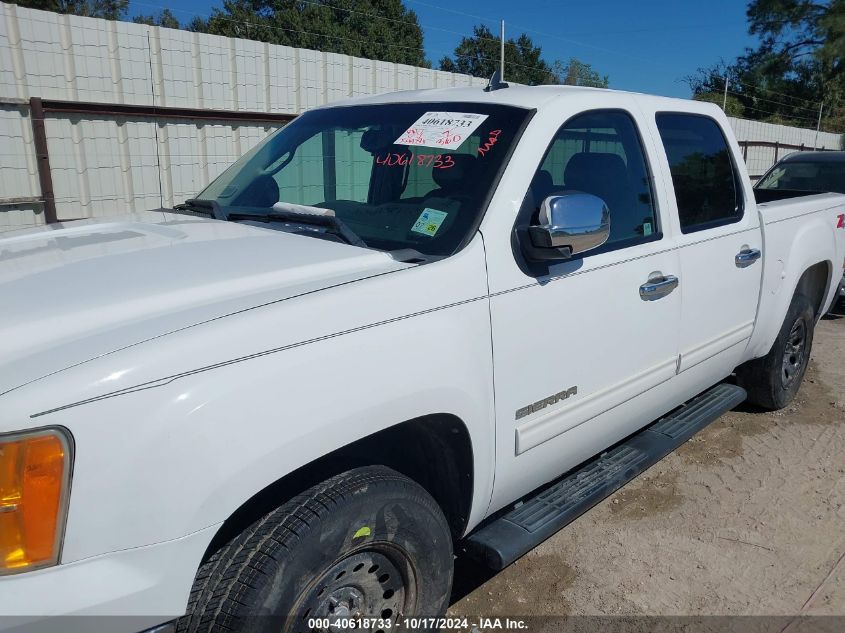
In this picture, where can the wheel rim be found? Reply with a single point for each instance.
(367, 584)
(794, 353)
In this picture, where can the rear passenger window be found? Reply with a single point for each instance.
(707, 186)
(600, 153)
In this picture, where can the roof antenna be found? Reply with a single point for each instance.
(497, 81)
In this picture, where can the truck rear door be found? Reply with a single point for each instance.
(719, 240)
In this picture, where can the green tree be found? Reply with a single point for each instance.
(732, 105)
(797, 64)
(578, 73)
(108, 9)
(478, 55)
(164, 18)
(375, 29)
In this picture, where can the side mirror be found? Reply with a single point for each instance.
(569, 224)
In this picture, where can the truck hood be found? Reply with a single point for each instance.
(73, 292)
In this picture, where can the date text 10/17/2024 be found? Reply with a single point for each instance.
(474, 625)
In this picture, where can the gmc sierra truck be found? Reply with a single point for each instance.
(401, 327)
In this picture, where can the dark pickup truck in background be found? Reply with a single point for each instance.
(802, 172)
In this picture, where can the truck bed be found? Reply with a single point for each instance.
(764, 196)
(800, 204)
(797, 229)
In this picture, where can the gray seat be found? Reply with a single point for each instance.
(455, 180)
(605, 175)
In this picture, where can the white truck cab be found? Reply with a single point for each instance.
(400, 327)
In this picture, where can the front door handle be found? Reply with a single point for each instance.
(658, 287)
(747, 256)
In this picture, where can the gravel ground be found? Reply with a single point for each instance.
(747, 518)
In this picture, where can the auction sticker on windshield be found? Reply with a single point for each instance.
(429, 222)
(441, 129)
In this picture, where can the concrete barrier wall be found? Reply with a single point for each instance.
(759, 159)
(104, 165)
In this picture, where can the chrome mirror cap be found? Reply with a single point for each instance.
(572, 223)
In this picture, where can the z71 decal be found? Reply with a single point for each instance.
(841, 223)
(542, 404)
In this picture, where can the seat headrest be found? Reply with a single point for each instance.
(455, 175)
(375, 141)
(588, 166)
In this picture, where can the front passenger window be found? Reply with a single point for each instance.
(600, 153)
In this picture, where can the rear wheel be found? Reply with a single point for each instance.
(773, 380)
(369, 544)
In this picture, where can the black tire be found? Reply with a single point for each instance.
(368, 542)
(773, 380)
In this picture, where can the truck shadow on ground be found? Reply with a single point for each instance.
(814, 404)
(469, 576)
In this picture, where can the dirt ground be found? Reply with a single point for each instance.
(747, 518)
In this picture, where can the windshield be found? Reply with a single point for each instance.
(821, 176)
(399, 176)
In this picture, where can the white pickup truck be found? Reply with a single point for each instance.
(401, 327)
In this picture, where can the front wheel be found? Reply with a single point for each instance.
(362, 548)
(773, 380)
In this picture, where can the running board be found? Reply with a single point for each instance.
(530, 522)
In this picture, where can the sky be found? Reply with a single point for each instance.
(642, 45)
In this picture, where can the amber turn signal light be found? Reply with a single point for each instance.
(34, 480)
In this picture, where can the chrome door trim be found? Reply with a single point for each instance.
(747, 256)
(658, 287)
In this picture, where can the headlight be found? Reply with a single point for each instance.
(34, 487)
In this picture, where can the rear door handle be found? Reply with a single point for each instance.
(747, 256)
(658, 287)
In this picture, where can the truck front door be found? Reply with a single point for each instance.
(581, 347)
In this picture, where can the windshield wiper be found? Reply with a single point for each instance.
(208, 207)
(330, 222)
